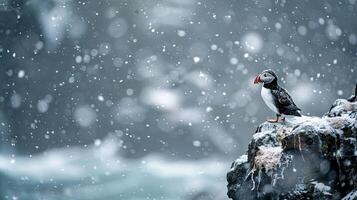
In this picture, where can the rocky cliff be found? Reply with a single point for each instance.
(302, 158)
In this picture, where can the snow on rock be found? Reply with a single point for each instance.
(340, 107)
(320, 187)
(351, 196)
(302, 158)
(240, 160)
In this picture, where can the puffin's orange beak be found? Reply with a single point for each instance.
(257, 80)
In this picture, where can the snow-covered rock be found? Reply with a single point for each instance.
(351, 196)
(302, 158)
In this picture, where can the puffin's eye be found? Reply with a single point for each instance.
(265, 75)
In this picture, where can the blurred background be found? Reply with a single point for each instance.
(132, 99)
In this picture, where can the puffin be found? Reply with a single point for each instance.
(276, 97)
(353, 98)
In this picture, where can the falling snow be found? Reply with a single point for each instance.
(166, 85)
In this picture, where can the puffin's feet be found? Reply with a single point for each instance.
(283, 119)
(273, 120)
(276, 120)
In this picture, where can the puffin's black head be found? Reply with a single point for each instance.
(266, 77)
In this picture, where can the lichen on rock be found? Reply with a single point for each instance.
(303, 158)
(267, 157)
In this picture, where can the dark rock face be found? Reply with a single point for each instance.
(303, 158)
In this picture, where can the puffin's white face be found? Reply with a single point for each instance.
(265, 77)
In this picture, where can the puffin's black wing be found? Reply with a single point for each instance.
(285, 103)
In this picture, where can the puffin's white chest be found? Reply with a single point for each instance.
(268, 99)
